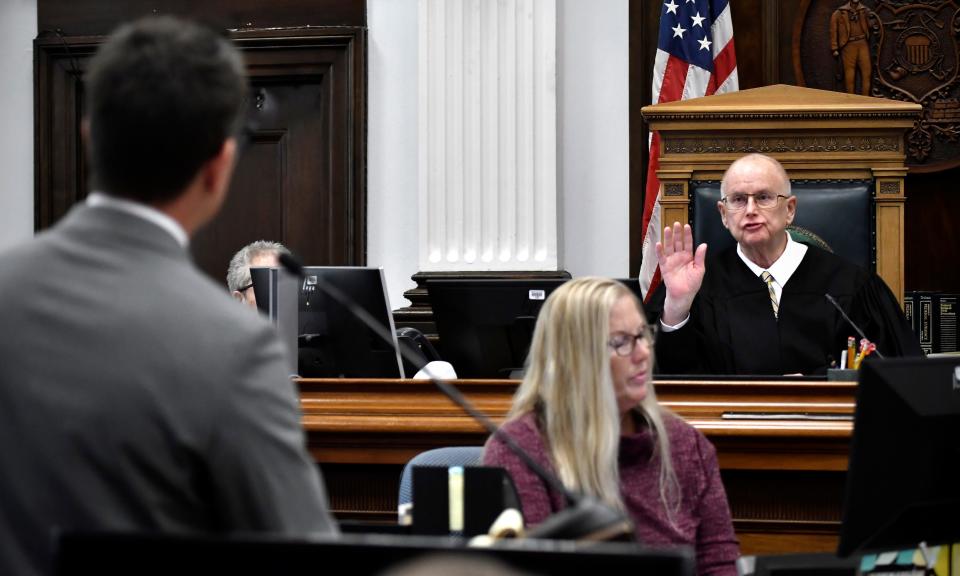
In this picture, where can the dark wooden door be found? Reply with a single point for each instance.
(301, 176)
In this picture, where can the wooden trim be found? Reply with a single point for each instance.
(389, 421)
(770, 25)
(798, 20)
(59, 167)
(637, 148)
(101, 16)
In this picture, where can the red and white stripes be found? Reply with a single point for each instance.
(675, 79)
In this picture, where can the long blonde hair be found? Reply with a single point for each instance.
(568, 385)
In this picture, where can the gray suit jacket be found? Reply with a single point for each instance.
(136, 394)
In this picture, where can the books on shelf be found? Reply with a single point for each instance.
(933, 316)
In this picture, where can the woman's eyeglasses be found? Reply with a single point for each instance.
(624, 344)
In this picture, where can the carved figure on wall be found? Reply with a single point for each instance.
(849, 41)
(900, 49)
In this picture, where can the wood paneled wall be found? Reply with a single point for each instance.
(763, 32)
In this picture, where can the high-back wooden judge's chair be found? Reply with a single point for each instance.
(844, 153)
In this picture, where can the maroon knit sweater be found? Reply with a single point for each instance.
(702, 521)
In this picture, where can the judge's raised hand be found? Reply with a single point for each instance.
(682, 271)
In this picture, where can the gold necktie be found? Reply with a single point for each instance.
(773, 295)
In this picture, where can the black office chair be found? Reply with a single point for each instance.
(441, 457)
(836, 215)
(426, 481)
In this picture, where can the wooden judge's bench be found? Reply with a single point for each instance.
(782, 445)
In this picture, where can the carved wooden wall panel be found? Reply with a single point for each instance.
(914, 50)
(911, 53)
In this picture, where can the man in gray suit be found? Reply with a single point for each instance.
(134, 393)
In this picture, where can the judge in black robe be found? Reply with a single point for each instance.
(732, 328)
(722, 310)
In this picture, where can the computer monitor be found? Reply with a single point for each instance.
(332, 342)
(108, 554)
(903, 480)
(485, 325)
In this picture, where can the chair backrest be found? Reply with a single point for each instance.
(440, 457)
(840, 212)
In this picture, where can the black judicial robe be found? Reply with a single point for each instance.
(732, 329)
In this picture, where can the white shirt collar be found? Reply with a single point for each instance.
(785, 265)
(100, 199)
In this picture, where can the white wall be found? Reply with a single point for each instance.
(392, 236)
(18, 27)
(593, 147)
(594, 138)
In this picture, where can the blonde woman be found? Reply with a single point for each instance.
(586, 410)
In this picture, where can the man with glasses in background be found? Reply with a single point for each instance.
(261, 253)
(762, 308)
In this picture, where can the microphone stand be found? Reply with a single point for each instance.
(586, 519)
(836, 305)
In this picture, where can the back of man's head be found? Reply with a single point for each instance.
(163, 95)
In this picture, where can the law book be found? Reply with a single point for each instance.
(945, 322)
(909, 300)
(924, 321)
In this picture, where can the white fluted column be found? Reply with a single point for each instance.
(487, 135)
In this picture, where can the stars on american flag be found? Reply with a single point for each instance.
(696, 21)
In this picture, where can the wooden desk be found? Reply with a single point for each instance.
(784, 477)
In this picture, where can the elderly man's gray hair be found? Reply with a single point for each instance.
(238, 273)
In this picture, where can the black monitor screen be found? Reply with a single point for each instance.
(903, 482)
(332, 342)
(485, 326)
(107, 554)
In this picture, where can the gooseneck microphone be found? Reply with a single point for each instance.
(586, 519)
(836, 305)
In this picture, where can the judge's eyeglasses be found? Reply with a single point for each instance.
(738, 201)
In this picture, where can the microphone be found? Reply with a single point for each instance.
(836, 305)
(586, 519)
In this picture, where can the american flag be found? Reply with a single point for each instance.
(695, 57)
